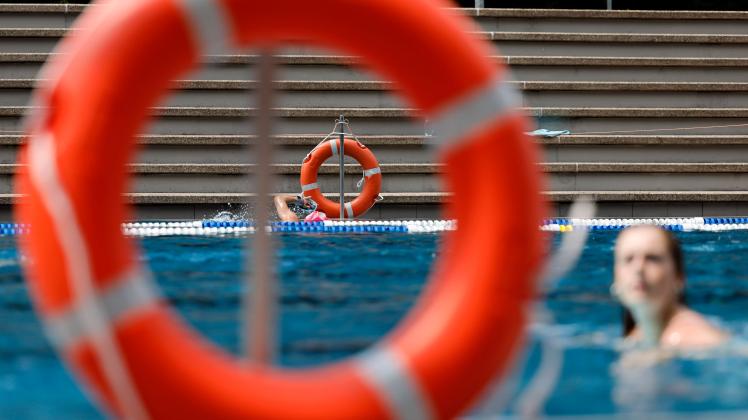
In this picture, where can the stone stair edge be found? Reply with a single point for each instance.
(306, 112)
(614, 37)
(608, 14)
(434, 198)
(366, 85)
(495, 36)
(406, 140)
(235, 140)
(482, 12)
(418, 168)
(511, 60)
(41, 8)
(614, 139)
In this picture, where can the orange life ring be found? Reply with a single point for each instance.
(364, 157)
(99, 305)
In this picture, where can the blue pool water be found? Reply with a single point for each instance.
(339, 293)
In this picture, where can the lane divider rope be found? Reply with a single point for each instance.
(562, 225)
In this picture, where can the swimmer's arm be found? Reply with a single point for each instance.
(281, 206)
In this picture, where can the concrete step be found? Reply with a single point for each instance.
(515, 20)
(30, 40)
(237, 93)
(232, 178)
(404, 121)
(524, 68)
(369, 94)
(656, 204)
(213, 120)
(661, 121)
(235, 149)
(631, 69)
(39, 15)
(604, 176)
(645, 148)
(617, 21)
(196, 206)
(618, 45)
(634, 94)
(43, 40)
(236, 178)
(190, 206)
(223, 67)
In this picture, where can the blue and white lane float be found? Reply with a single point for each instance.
(11, 229)
(685, 224)
(216, 227)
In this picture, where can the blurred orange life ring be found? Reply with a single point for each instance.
(100, 306)
(372, 175)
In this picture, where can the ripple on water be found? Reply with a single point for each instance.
(341, 293)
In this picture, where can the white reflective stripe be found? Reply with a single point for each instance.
(474, 111)
(124, 298)
(372, 171)
(334, 147)
(45, 177)
(209, 24)
(349, 210)
(309, 187)
(385, 370)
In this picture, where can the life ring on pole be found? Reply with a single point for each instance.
(98, 303)
(372, 177)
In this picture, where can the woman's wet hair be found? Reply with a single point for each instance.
(674, 249)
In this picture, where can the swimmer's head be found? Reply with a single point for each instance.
(303, 206)
(648, 270)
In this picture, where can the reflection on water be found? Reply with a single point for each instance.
(647, 381)
(598, 378)
(341, 293)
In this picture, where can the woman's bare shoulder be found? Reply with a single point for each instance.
(689, 329)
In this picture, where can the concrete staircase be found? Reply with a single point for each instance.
(656, 102)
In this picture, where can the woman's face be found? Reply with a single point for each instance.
(645, 271)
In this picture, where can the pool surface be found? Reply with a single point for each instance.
(340, 293)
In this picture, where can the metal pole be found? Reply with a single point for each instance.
(260, 315)
(341, 149)
(479, 4)
(610, 4)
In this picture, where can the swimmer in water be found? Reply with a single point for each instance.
(294, 208)
(649, 281)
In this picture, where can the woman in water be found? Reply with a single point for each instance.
(649, 279)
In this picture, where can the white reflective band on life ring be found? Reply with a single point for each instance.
(45, 176)
(334, 147)
(209, 24)
(372, 171)
(309, 187)
(349, 210)
(386, 371)
(133, 292)
(474, 111)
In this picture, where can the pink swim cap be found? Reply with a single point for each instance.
(315, 216)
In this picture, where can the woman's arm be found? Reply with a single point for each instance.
(281, 206)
